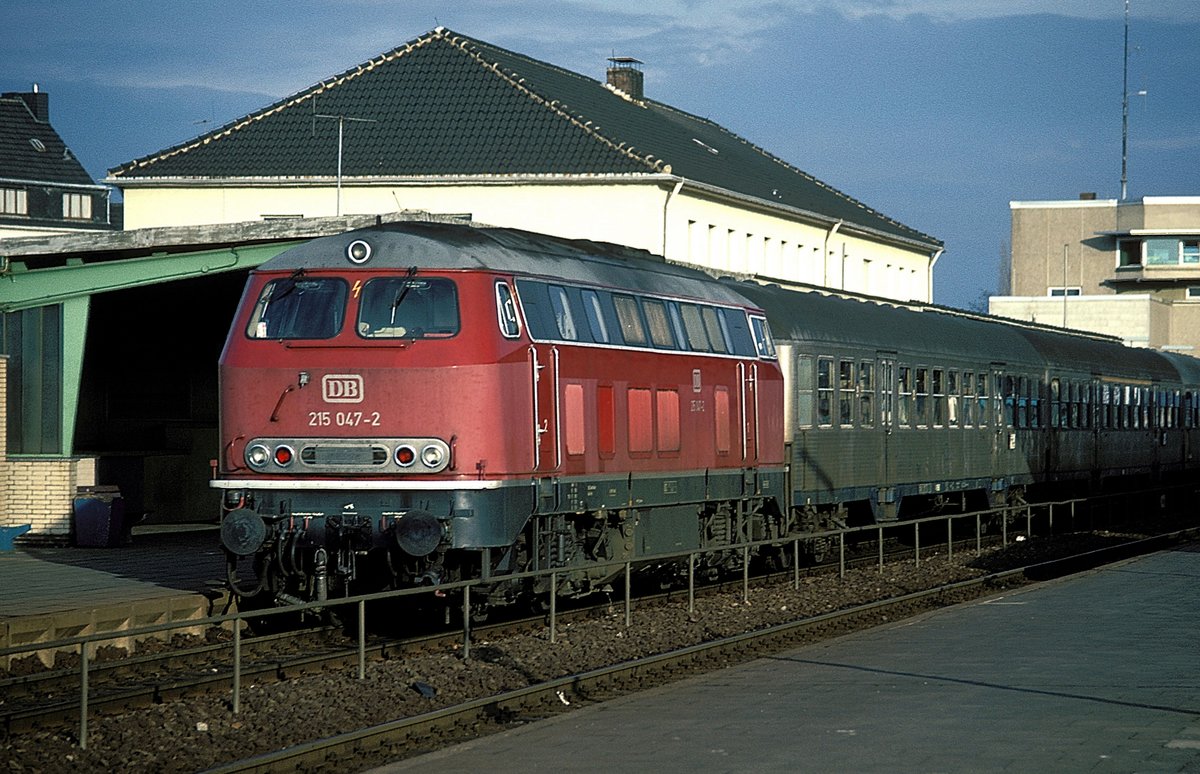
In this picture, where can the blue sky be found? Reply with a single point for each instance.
(934, 112)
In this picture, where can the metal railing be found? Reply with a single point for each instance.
(87, 644)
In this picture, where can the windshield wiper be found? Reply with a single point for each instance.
(405, 286)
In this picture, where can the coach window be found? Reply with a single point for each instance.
(1085, 409)
(595, 316)
(968, 398)
(825, 391)
(1188, 421)
(804, 391)
(1056, 413)
(299, 308)
(887, 393)
(630, 319)
(904, 387)
(922, 394)
(939, 397)
(506, 311)
(981, 383)
(1010, 401)
(846, 393)
(866, 393)
(408, 308)
(658, 324)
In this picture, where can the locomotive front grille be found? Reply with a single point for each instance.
(357, 455)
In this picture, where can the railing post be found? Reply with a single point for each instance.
(917, 542)
(841, 554)
(978, 533)
(466, 649)
(746, 574)
(691, 583)
(1050, 526)
(237, 666)
(362, 639)
(1029, 522)
(796, 564)
(553, 604)
(1004, 527)
(949, 537)
(83, 695)
(881, 549)
(628, 595)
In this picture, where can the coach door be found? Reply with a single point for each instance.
(887, 416)
(547, 441)
(748, 405)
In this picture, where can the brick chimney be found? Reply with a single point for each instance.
(625, 75)
(37, 101)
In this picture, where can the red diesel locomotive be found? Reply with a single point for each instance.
(421, 402)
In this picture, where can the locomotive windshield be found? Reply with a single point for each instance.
(299, 307)
(408, 308)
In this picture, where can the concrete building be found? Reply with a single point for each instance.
(1130, 269)
(453, 125)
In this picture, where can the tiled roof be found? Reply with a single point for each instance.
(30, 149)
(448, 105)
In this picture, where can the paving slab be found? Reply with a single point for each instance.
(1095, 673)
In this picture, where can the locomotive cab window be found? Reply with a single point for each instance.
(408, 308)
(506, 311)
(299, 307)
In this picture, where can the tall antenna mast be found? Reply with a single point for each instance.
(1125, 108)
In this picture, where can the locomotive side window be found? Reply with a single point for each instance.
(564, 320)
(825, 391)
(299, 307)
(693, 324)
(408, 308)
(761, 331)
(595, 316)
(658, 324)
(630, 319)
(712, 325)
(506, 311)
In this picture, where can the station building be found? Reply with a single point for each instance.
(120, 389)
(1129, 269)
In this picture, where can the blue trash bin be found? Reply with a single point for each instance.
(99, 519)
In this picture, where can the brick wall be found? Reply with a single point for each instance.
(34, 490)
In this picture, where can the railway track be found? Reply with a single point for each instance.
(410, 736)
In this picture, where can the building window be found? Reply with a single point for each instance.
(1059, 291)
(1193, 293)
(1191, 251)
(1129, 252)
(77, 206)
(13, 202)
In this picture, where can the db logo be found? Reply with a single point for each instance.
(342, 388)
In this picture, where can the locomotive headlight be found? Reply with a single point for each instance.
(405, 456)
(432, 456)
(284, 455)
(258, 456)
(358, 252)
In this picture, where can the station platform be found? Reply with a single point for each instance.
(1094, 673)
(166, 574)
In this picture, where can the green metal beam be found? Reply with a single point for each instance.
(22, 288)
(74, 334)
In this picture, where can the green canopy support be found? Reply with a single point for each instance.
(24, 288)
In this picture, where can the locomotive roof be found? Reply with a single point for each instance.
(853, 323)
(456, 246)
